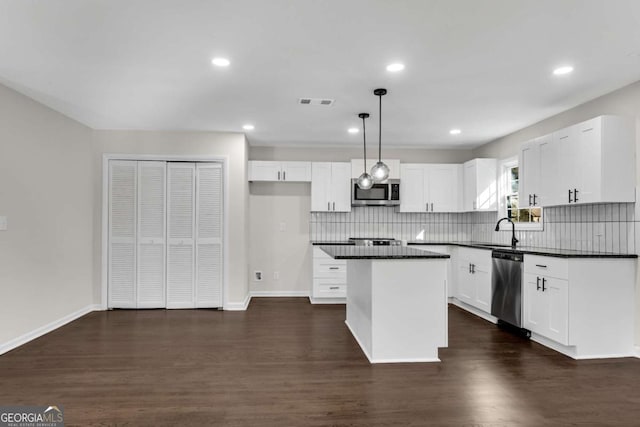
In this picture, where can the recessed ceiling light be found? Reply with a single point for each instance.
(353, 130)
(248, 127)
(566, 69)
(394, 68)
(220, 62)
(455, 131)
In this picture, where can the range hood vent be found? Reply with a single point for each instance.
(316, 101)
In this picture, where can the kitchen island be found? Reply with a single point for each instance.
(396, 301)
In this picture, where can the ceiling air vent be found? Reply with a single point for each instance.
(316, 101)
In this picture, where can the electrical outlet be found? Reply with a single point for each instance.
(257, 276)
(276, 275)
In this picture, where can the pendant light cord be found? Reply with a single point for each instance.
(364, 138)
(380, 130)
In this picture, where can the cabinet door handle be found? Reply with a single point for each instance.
(328, 206)
(473, 268)
(575, 195)
(469, 268)
(278, 175)
(570, 192)
(543, 282)
(529, 199)
(587, 130)
(534, 200)
(333, 288)
(537, 283)
(426, 206)
(474, 204)
(431, 206)
(284, 175)
(334, 206)
(334, 268)
(541, 265)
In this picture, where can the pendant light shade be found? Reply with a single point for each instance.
(365, 181)
(380, 171)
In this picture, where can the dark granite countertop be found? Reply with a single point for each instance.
(530, 250)
(328, 242)
(379, 252)
(559, 253)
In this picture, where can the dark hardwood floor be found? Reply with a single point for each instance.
(285, 362)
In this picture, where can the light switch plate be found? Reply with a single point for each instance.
(3, 223)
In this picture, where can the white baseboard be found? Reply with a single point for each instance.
(238, 306)
(29, 336)
(279, 294)
(327, 300)
(637, 349)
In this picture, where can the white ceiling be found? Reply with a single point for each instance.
(482, 66)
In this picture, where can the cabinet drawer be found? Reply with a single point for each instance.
(546, 266)
(329, 289)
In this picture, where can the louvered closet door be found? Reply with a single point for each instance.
(151, 235)
(209, 235)
(122, 234)
(181, 198)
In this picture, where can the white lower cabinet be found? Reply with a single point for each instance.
(547, 307)
(473, 277)
(582, 307)
(329, 279)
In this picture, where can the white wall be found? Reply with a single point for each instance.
(46, 177)
(288, 252)
(233, 145)
(625, 101)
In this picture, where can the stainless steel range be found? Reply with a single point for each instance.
(375, 241)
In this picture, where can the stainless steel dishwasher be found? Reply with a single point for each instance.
(506, 287)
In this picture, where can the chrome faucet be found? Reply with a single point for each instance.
(513, 230)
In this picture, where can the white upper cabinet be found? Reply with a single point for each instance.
(529, 165)
(260, 170)
(480, 186)
(331, 187)
(591, 162)
(430, 187)
(357, 167)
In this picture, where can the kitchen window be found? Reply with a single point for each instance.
(525, 218)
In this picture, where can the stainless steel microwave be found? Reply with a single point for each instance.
(385, 194)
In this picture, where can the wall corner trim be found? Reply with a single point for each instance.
(238, 306)
(45, 329)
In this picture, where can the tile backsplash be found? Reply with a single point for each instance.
(609, 227)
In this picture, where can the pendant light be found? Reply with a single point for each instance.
(380, 171)
(365, 181)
